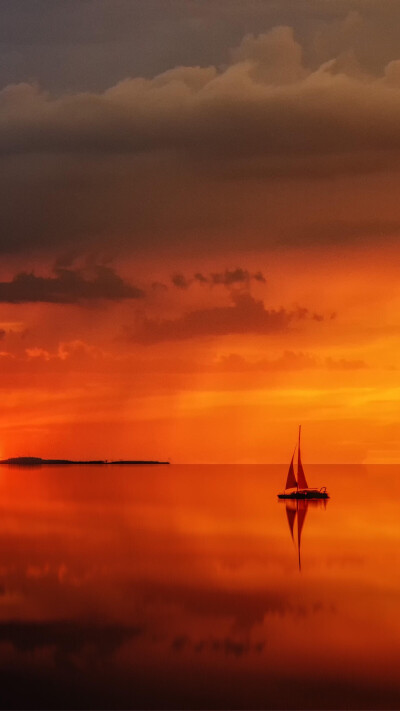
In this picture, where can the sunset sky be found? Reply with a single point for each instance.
(200, 223)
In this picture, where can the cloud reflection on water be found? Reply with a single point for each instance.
(179, 588)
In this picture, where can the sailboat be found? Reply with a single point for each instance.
(298, 488)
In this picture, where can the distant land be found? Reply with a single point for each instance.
(38, 461)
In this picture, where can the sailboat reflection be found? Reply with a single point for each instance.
(298, 508)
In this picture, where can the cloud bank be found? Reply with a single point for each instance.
(193, 157)
(264, 105)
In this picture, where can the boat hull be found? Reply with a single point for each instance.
(305, 495)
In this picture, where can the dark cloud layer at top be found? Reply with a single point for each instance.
(78, 45)
(264, 105)
(188, 151)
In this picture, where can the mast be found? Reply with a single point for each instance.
(301, 478)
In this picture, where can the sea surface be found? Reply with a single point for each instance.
(182, 587)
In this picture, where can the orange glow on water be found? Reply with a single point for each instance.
(194, 568)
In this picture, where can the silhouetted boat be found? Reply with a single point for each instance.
(298, 488)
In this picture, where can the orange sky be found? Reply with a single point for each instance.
(200, 245)
(93, 381)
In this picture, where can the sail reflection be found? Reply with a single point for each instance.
(297, 509)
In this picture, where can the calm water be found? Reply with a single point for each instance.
(179, 587)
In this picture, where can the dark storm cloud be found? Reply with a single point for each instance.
(264, 105)
(245, 315)
(189, 157)
(81, 45)
(67, 287)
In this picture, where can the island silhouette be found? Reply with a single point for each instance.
(38, 461)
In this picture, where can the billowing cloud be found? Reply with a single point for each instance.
(192, 156)
(249, 110)
(67, 287)
(53, 42)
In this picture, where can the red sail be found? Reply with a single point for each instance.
(291, 479)
(301, 478)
